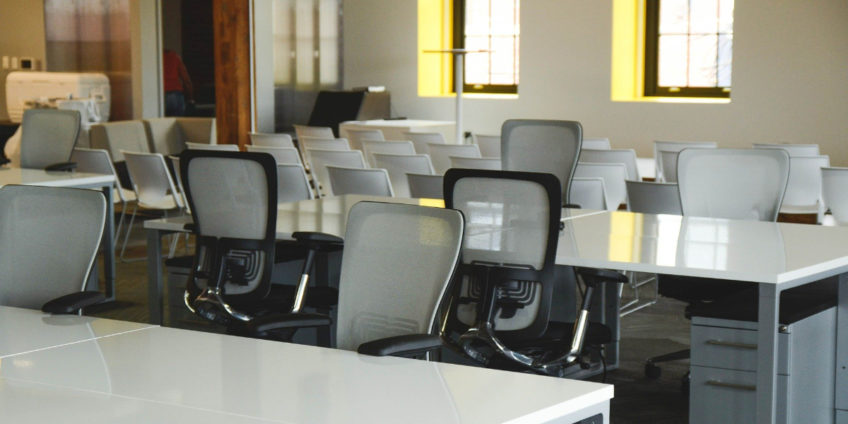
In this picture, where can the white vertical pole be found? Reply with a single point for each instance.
(459, 80)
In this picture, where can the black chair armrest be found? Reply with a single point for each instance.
(61, 166)
(572, 206)
(288, 321)
(316, 239)
(190, 227)
(72, 303)
(406, 346)
(595, 275)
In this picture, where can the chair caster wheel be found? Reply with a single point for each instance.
(652, 371)
(684, 383)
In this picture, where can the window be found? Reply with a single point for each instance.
(488, 25)
(688, 48)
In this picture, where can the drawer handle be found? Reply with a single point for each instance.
(732, 344)
(731, 385)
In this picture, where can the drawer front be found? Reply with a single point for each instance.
(725, 396)
(733, 349)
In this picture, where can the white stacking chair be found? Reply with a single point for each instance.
(652, 197)
(320, 159)
(793, 149)
(835, 192)
(271, 140)
(399, 165)
(493, 164)
(207, 146)
(355, 137)
(440, 154)
(422, 139)
(370, 147)
(614, 176)
(367, 181)
(804, 189)
(675, 146)
(668, 164)
(292, 184)
(175, 165)
(596, 143)
(308, 131)
(97, 161)
(490, 145)
(307, 142)
(625, 156)
(283, 155)
(589, 193)
(427, 186)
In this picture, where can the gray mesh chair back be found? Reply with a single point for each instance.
(207, 146)
(283, 155)
(152, 181)
(372, 182)
(625, 156)
(440, 154)
(490, 145)
(320, 159)
(425, 186)
(308, 131)
(48, 136)
(383, 241)
(34, 268)
(355, 137)
(589, 193)
(271, 140)
(651, 197)
(120, 136)
(370, 147)
(311, 143)
(675, 146)
(596, 143)
(793, 149)
(544, 146)
(292, 184)
(493, 164)
(834, 181)
(732, 183)
(422, 139)
(399, 165)
(804, 189)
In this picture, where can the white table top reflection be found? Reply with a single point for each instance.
(40, 177)
(151, 373)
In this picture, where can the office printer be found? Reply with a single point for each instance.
(87, 92)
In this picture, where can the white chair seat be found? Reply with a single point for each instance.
(164, 203)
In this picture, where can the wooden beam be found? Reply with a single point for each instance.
(231, 22)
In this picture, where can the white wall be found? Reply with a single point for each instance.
(790, 75)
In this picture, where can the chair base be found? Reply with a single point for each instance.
(653, 371)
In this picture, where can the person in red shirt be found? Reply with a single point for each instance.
(178, 88)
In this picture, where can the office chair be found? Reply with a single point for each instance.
(441, 154)
(48, 137)
(369, 182)
(97, 161)
(490, 145)
(36, 272)
(427, 186)
(422, 139)
(793, 149)
(283, 155)
(651, 197)
(834, 181)
(233, 198)
(372, 147)
(319, 160)
(271, 140)
(398, 262)
(625, 156)
(614, 176)
(675, 146)
(399, 165)
(722, 183)
(590, 193)
(500, 308)
(493, 164)
(207, 146)
(312, 131)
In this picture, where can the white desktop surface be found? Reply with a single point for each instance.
(51, 178)
(282, 382)
(393, 129)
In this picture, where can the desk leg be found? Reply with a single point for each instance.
(108, 244)
(842, 345)
(154, 275)
(767, 353)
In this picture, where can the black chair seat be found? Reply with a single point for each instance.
(558, 336)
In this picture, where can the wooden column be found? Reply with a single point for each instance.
(231, 22)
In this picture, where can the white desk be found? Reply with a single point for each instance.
(105, 183)
(169, 375)
(393, 129)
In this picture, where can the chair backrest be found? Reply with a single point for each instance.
(399, 165)
(119, 136)
(793, 149)
(355, 137)
(271, 140)
(490, 145)
(307, 143)
(382, 241)
(151, 179)
(308, 131)
(422, 139)
(169, 134)
(493, 164)
(48, 136)
(596, 143)
(732, 183)
(48, 242)
(614, 175)
(668, 164)
(370, 147)
(367, 181)
(96, 161)
(546, 146)
(805, 182)
(175, 166)
(675, 146)
(440, 154)
(429, 186)
(292, 184)
(625, 156)
(589, 193)
(834, 181)
(320, 159)
(217, 147)
(651, 197)
(233, 200)
(283, 155)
